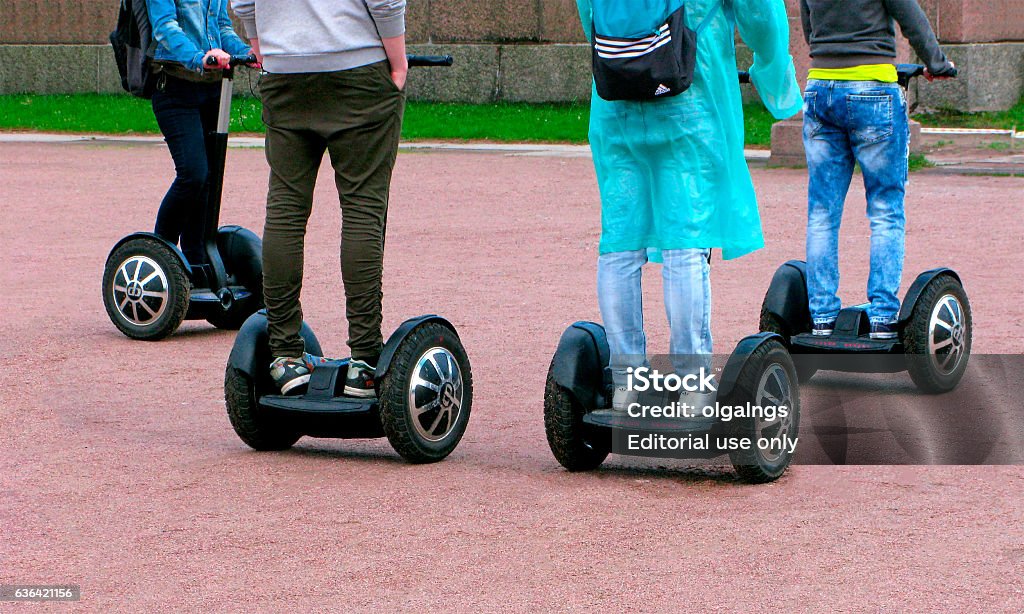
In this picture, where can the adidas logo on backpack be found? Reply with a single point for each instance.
(662, 90)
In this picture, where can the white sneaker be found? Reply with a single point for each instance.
(623, 398)
(697, 401)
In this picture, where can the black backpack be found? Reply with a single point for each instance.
(134, 47)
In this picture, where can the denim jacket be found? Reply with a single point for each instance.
(186, 29)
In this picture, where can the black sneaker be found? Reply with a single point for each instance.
(883, 331)
(359, 381)
(823, 329)
(291, 375)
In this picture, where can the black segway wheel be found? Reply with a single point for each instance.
(242, 253)
(770, 323)
(577, 446)
(768, 378)
(937, 337)
(427, 394)
(256, 429)
(145, 289)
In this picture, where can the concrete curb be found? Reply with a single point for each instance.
(244, 142)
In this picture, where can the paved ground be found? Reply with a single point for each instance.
(121, 473)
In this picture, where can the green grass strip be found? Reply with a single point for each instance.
(1003, 120)
(118, 114)
(505, 122)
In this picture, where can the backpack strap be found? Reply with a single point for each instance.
(707, 19)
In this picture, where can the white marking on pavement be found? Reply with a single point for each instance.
(246, 142)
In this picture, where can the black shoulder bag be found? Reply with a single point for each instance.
(660, 65)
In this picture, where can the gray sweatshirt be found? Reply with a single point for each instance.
(843, 33)
(298, 36)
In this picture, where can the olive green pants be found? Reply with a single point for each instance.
(356, 116)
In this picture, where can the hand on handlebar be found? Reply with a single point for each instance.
(255, 45)
(928, 75)
(216, 59)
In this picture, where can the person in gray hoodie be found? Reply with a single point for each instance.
(334, 81)
(856, 113)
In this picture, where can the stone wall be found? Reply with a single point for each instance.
(506, 50)
(985, 38)
(430, 21)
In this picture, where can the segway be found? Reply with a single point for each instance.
(934, 322)
(423, 380)
(149, 287)
(580, 428)
(933, 344)
(424, 393)
(578, 393)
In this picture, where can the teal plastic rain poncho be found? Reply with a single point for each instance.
(671, 172)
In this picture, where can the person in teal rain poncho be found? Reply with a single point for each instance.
(673, 180)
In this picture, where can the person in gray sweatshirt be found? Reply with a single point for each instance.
(856, 113)
(334, 81)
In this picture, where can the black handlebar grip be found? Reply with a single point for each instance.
(906, 72)
(243, 60)
(430, 60)
(236, 60)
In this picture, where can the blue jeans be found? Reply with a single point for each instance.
(186, 112)
(863, 122)
(687, 284)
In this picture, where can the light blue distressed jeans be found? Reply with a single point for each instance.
(686, 275)
(863, 122)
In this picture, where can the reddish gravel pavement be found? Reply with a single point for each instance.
(119, 471)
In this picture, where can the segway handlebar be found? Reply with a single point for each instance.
(906, 72)
(430, 60)
(236, 60)
(414, 60)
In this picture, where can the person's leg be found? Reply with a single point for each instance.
(363, 151)
(687, 286)
(194, 231)
(881, 137)
(619, 295)
(294, 157)
(830, 169)
(178, 116)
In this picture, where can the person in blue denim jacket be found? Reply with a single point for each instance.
(185, 104)
(855, 112)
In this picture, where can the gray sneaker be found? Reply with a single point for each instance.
(291, 375)
(359, 381)
(884, 331)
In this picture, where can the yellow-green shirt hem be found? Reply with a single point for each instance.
(884, 73)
